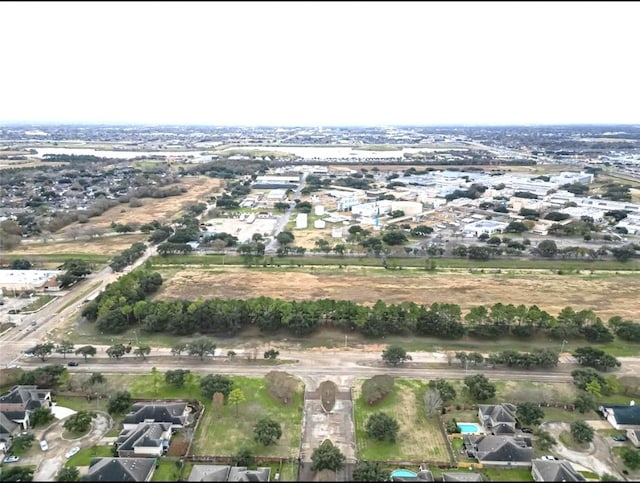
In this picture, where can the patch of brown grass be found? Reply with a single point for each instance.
(614, 295)
(106, 245)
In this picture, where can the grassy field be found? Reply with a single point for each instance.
(221, 432)
(419, 437)
(609, 294)
(502, 474)
(167, 470)
(97, 249)
(84, 456)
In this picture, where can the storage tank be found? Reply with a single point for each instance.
(318, 210)
(319, 224)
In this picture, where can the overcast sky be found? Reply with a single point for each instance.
(320, 63)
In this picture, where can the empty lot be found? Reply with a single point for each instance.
(607, 294)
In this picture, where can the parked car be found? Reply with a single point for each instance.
(72, 363)
(548, 458)
(11, 459)
(620, 437)
(44, 446)
(527, 430)
(34, 323)
(72, 451)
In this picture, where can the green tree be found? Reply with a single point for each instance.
(86, 350)
(529, 414)
(236, 396)
(479, 387)
(96, 378)
(200, 347)
(17, 473)
(68, 473)
(43, 350)
(631, 459)
(370, 471)
(285, 238)
(79, 422)
(119, 403)
(547, 248)
(596, 358)
(271, 354)
(244, 457)
(543, 440)
(445, 388)
(176, 378)
(327, 457)
(22, 443)
(395, 355)
(267, 431)
(382, 427)
(582, 432)
(213, 383)
(585, 402)
(142, 351)
(116, 351)
(41, 416)
(65, 347)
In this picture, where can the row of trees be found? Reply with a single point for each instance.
(123, 305)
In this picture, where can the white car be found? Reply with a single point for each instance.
(548, 458)
(43, 445)
(11, 459)
(72, 451)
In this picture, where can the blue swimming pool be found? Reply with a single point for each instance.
(468, 428)
(402, 472)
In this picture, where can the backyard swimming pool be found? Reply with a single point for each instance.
(466, 428)
(404, 473)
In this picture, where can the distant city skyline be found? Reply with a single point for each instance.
(320, 63)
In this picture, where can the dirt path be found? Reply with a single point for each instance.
(597, 458)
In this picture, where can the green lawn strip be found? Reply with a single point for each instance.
(80, 403)
(567, 440)
(419, 437)
(84, 456)
(168, 469)
(590, 475)
(38, 258)
(222, 433)
(83, 294)
(37, 304)
(567, 266)
(512, 474)
(558, 414)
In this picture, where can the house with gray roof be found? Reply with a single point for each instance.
(622, 416)
(228, 473)
(498, 418)
(556, 470)
(8, 428)
(21, 400)
(460, 476)
(175, 413)
(120, 469)
(634, 436)
(146, 440)
(491, 450)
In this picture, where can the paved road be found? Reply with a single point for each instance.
(15, 341)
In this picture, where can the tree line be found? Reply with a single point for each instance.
(124, 304)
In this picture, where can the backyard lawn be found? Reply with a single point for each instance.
(221, 432)
(84, 456)
(419, 437)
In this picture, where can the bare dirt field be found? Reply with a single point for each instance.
(161, 209)
(607, 295)
(106, 245)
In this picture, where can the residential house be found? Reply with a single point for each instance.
(147, 439)
(175, 413)
(634, 436)
(228, 473)
(460, 476)
(554, 470)
(20, 401)
(120, 469)
(506, 451)
(8, 428)
(621, 416)
(498, 418)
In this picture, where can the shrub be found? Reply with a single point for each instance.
(377, 388)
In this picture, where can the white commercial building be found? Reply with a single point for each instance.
(301, 221)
